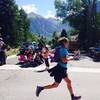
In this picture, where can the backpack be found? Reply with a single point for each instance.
(57, 54)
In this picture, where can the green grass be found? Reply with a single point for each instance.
(12, 52)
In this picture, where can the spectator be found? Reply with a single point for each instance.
(3, 47)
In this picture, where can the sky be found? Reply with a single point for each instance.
(42, 7)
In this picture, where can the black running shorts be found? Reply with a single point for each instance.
(59, 73)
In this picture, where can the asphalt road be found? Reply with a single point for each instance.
(12, 60)
(21, 84)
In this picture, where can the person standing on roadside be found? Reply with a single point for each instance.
(3, 47)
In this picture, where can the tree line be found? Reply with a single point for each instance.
(83, 17)
(14, 24)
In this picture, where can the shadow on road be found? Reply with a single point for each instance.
(29, 64)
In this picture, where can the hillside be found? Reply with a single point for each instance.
(43, 26)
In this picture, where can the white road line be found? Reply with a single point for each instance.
(42, 67)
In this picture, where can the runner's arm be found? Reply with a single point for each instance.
(65, 59)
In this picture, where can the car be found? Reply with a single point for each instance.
(94, 52)
(25, 45)
(91, 52)
(96, 56)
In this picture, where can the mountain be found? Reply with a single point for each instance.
(98, 6)
(43, 26)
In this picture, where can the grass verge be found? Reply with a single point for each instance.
(12, 52)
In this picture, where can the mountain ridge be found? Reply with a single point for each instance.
(43, 26)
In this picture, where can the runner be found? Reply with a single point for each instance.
(59, 72)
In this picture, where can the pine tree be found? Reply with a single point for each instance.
(81, 15)
(64, 33)
(54, 39)
(8, 12)
(14, 25)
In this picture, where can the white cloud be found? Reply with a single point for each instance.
(30, 8)
(50, 14)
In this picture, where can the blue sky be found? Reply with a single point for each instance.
(42, 7)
